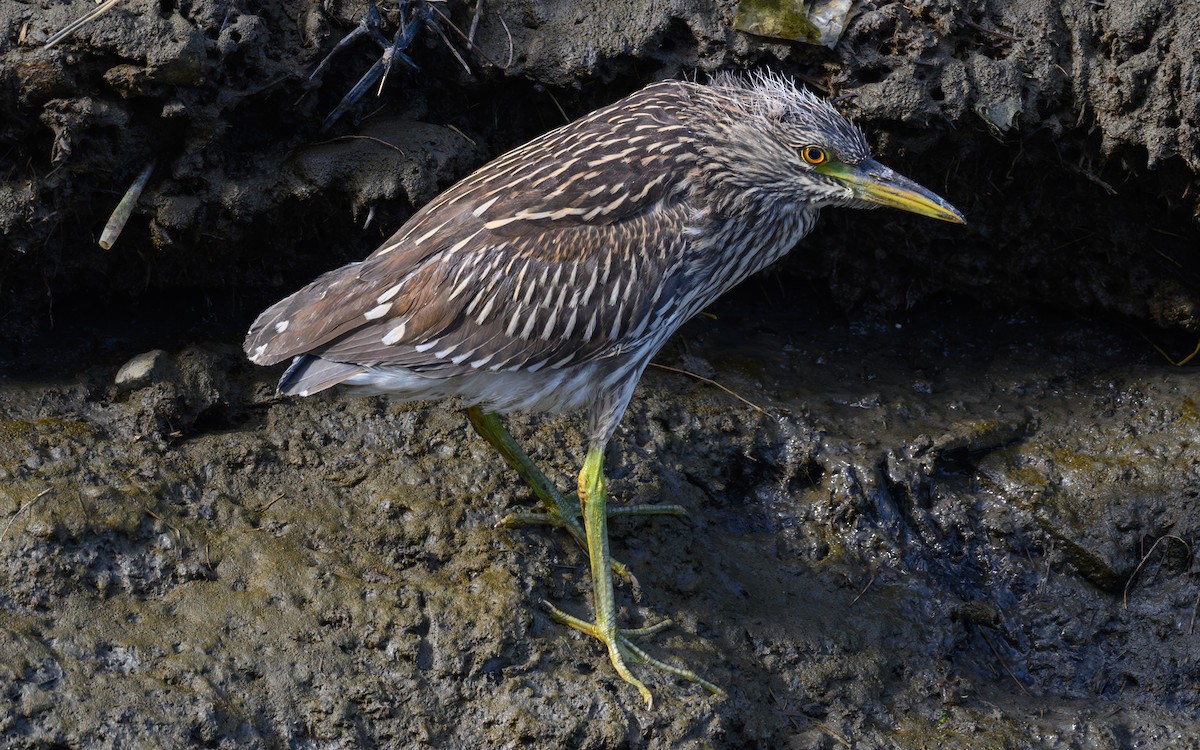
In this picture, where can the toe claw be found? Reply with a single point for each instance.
(621, 649)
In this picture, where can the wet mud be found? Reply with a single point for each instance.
(959, 510)
(933, 533)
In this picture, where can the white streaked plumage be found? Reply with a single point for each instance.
(546, 280)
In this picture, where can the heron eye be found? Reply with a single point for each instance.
(813, 155)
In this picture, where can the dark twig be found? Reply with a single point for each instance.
(437, 27)
(380, 141)
(22, 509)
(870, 583)
(475, 21)
(1003, 663)
(511, 48)
(1145, 557)
(710, 381)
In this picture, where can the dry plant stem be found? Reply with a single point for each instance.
(83, 20)
(1167, 357)
(21, 510)
(124, 209)
(1142, 562)
(712, 382)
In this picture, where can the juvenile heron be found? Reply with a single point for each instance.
(548, 279)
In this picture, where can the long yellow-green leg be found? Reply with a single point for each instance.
(559, 512)
(595, 520)
(593, 498)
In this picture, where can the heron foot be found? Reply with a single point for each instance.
(558, 510)
(621, 649)
(592, 496)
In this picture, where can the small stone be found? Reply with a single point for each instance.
(143, 370)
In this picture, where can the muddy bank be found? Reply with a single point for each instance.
(965, 515)
(1068, 134)
(936, 533)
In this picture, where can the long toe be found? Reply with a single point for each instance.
(571, 523)
(621, 651)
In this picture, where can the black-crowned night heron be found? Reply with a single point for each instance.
(548, 279)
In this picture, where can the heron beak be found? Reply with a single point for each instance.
(873, 182)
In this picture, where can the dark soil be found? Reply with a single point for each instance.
(965, 516)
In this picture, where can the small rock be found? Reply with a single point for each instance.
(142, 370)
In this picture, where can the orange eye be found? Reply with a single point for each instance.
(813, 155)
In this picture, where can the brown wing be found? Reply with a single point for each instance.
(560, 252)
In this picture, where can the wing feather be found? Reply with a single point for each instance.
(556, 254)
